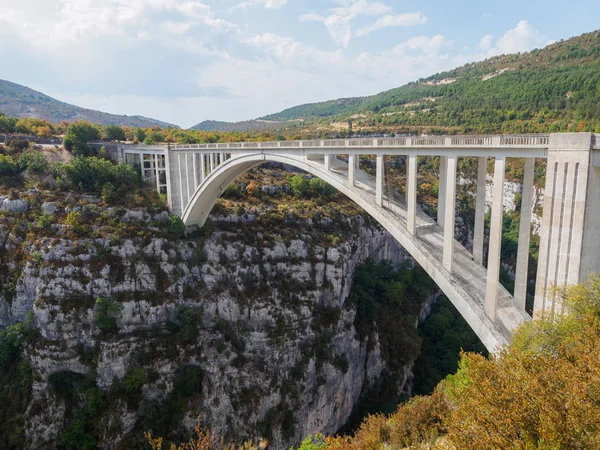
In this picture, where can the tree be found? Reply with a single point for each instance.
(321, 187)
(154, 137)
(298, 185)
(139, 134)
(7, 165)
(78, 135)
(113, 133)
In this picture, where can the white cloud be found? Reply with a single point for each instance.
(522, 38)
(76, 24)
(486, 15)
(401, 20)
(486, 42)
(268, 4)
(338, 22)
(312, 17)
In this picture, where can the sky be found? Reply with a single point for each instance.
(185, 61)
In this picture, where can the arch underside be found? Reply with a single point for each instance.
(465, 287)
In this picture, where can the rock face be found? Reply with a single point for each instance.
(262, 315)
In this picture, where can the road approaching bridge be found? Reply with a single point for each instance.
(195, 176)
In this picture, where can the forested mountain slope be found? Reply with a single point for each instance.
(552, 89)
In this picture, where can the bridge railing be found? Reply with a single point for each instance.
(499, 141)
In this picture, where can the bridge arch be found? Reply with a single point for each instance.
(205, 197)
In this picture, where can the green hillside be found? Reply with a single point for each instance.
(553, 89)
(21, 101)
(247, 125)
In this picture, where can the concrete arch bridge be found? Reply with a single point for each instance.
(195, 176)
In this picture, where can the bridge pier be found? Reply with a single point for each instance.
(352, 168)
(411, 194)
(449, 212)
(441, 212)
(570, 238)
(493, 267)
(479, 226)
(379, 180)
(521, 273)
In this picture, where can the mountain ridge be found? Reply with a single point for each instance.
(22, 101)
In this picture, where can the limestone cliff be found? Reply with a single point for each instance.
(245, 326)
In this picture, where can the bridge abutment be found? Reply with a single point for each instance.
(570, 238)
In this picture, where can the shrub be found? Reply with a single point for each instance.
(12, 338)
(93, 173)
(134, 381)
(7, 165)
(253, 189)
(176, 227)
(321, 187)
(33, 162)
(298, 185)
(76, 437)
(45, 220)
(108, 193)
(105, 312)
(74, 219)
(190, 323)
(188, 381)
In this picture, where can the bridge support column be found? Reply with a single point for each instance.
(202, 167)
(449, 213)
(156, 174)
(411, 195)
(187, 176)
(195, 165)
(570, 237)
(170, 193)
(379, 181)
(441, 212)
(493, 268)
(351, 168)
(520, 293)
(479, 229)
(328, 159)
(182, 201)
